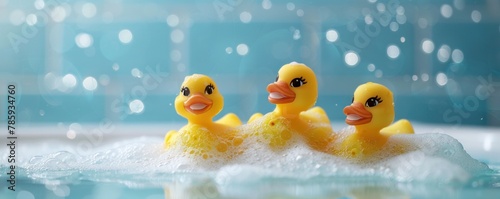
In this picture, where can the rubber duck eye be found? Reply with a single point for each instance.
(373, 101)
(298, 82)
(352, 101)
(185, 91)
(209, 89)
(277, 77)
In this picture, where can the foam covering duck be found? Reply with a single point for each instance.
(371, 113)
(294, 92)
(199, 101)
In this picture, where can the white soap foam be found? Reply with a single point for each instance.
(431, 158)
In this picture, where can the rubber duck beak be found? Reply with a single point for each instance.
(197, 104)
(357, 114)
(280, 93)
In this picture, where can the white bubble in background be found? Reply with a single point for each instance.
(175, 55)
(84, 40)
(422, 23)
(245, 17)
(300, 12)
(25, 195)
(332, 35)
(351, 58)
(69, 80)
(290, 6)
(296, 34)
(394, 26)
(446, 11)
(242, 49)
(393, 51)
(441, 79)
(31, 19)
(444, 53)
(402, 39)
(89, 83)
(177, 36)
(401, 19)
(125, 36)
(368, 19)
(58, 14)
(41, 112)
(372, 1)
(172, 20)
(62, 191)
(427, 46)
(378, 73)
(381, 7)
(266, 4)
(136, 106)
(136, 73)
(229, 50)
(371, 67)
(17, 17)
(400, 10)
(71, 134)
(414, 77)
(457, 56)
(39, 4)
(424, 77)
(476, 16)
(115, 67)
(89, 10)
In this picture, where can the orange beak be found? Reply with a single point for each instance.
(197, 104)
(280, 93)
(357, 114)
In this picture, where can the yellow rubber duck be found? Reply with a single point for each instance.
(371, 113)
(294, 92)
(199, 101)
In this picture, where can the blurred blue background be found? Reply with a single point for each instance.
(123, 60)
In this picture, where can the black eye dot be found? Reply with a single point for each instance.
(209, 89)
(352, 100)
(297, 82)
(373, 101)
(185, 91)
(277, 77)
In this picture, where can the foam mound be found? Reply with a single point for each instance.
(431, 158)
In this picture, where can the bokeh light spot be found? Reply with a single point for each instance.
(351, 58)
(89, 83)
(242, 49)
(125, 36)
(332, 35)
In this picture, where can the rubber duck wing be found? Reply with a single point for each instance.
(316, 114)
(230, 119)
(170, 138)
(254, 117)
(402, 126)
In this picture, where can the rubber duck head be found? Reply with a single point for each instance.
(295, 89)
(199, 99)
(372, 108)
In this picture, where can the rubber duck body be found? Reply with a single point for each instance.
(371, 113)
(294, 92)
(199, 101)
